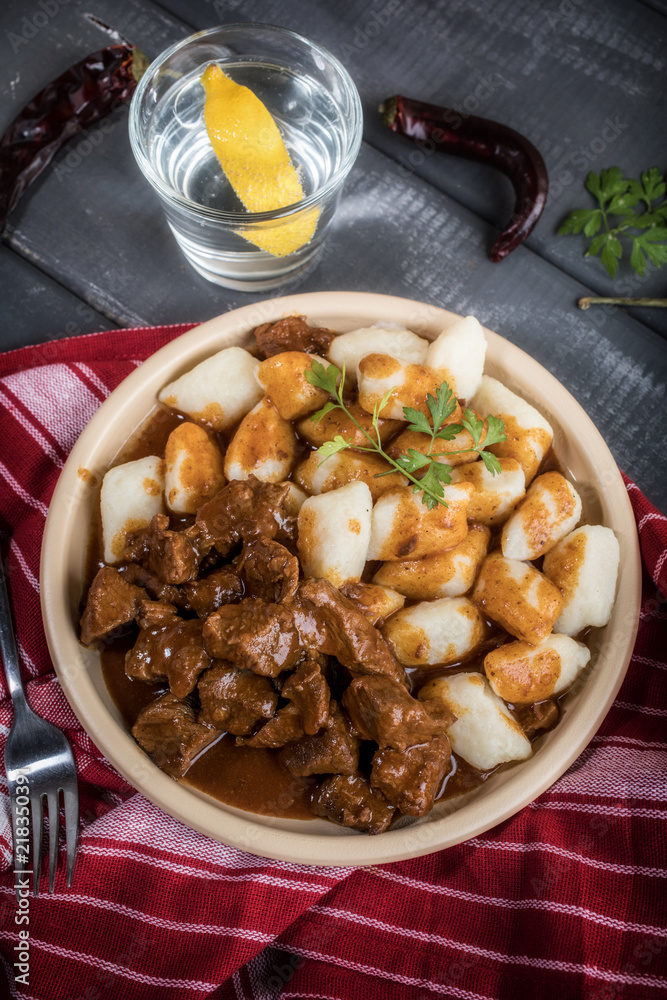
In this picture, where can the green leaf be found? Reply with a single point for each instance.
(379, 407)
(622, 204)
(637, 258)
(653, 185)
(491, 462)
(442, 405)
(596, 245)
(612, 252)
(496, 431)
(592, 183)
(413, 461)
(653, 244)
(330, 448)
(612, 182)
(418, 420)
(579, 220)
(431, 483)
(594, 224)
(449, 431)
(473, 424)
(323, 378)
(321, 414)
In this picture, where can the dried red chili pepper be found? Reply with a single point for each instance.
(79, 97)
(486, 142)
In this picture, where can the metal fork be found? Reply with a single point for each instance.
(39, 762)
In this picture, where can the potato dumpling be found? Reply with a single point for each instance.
(378, 373)
(193, 468)
(132, 494)
(462, 442)
(334, 531)
(283, 379)
(445, 574)
(349, 348)
(485, 732)
(337, 422)
(518, 597)
(523, 674)
(264, 446)
(460, 349)
(550, 509)
(377, 603)
(404, 527)
(529, 434)
(496, 495)
(295, 498)
(584, 567)
(316, 476)
(433, 632)
(218, 391)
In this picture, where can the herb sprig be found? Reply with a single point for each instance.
(435, 475)
(636, 205)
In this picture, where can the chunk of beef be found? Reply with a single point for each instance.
(111, 602)
(333, 751)
(172, 649)
(206, 595)
(254, 636)
(329, 622)
(153, 613)
(410, 779)
(240, 511)
(292, 334)
(269, 570)
(309, 691)
(382, 710)
(533, 718)
(350, 801)
(284, 727)
(166, 553)
(158, 591)
(168, 731)
(235, 700)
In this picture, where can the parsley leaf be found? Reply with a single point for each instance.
(633, 203)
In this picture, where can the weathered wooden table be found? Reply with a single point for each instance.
(88, 247)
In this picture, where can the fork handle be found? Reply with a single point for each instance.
(10, 657)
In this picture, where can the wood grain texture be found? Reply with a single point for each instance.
(36, 309)
(585, 80)
(93, 224)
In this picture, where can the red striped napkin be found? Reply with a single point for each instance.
(564, 900)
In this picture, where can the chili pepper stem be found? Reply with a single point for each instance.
(590, 300)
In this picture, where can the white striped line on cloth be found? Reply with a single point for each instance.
(660, 563)
(644, 709)
(118, 970)
(92, 377)
(652, 516)
(647, 662)
(21, 560)
(586, 807)
(172, 925)
(238, 989)
(617, 772)
(537, 845)
(189, 870)
(395, 977)
(656, 616)
(632, 486)
(629, 740)
(35, 434)
(554, 964)
(57, 398)
(552, 906)
(21, 492)
(33, 669)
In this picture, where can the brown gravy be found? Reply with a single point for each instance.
(250, 778)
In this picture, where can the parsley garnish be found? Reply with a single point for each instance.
(434, 474)
(636, 206)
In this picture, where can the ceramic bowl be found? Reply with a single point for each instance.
(583, 457)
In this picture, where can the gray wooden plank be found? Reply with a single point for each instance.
(412, 240)
(35, 308)
(583, 79)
